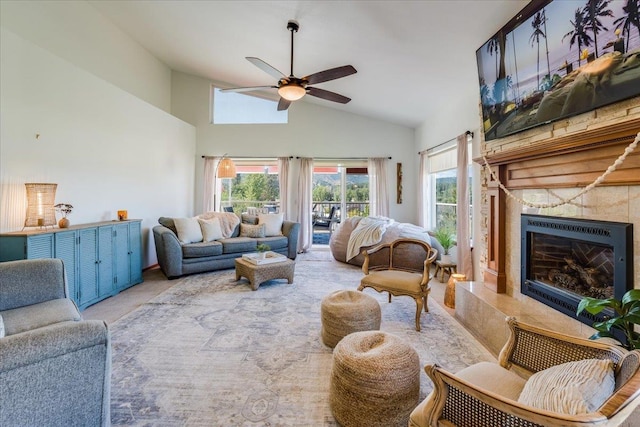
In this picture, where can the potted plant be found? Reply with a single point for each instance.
(626, 315)
(445, 236)
(65, 209)
(262, 249)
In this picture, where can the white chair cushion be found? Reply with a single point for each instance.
(494, 378)
(571, 388)
(486, 375)
(272, 223)
(394, 280)
(188, 230)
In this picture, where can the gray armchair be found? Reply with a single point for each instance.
(55, 368)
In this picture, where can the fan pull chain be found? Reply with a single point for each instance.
(632, 146)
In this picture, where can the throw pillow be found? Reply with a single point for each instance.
(255, 231)
(272, 222)
(571, 388)
(1, 327)
(211, 229)
(168, 222)
(188, 230)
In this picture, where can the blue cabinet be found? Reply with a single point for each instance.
(66, 249)
(100, 259)
(87, 266)
(105, 257)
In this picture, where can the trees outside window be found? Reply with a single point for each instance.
(445, 206)
(255, 185)
(344, 188)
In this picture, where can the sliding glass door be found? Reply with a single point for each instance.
(340, 190)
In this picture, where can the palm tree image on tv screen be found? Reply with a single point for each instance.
(559, 59)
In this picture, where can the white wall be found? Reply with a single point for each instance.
(77, 32)
(457, 116)
(312, 131)
(105, 148)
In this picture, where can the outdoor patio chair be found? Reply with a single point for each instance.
(330, 221)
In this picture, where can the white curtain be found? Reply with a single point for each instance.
(378, 194)
(210, 186)
(283, 182)
(305, 196)
(465, 264)
(424, 192)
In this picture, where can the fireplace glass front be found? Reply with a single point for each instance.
(567, 259)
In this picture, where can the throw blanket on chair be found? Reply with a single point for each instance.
(228, 221)
(368, 232)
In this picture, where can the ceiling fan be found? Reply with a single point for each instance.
(292, 88)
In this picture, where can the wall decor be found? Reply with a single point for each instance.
(556, 59)
(122, 215)
(399, 183)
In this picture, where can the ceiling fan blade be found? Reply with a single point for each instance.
(272, 71)
(325, 94)
(283, 104)
(247, 89)
(331, 74)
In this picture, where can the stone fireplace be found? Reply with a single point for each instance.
(566, 259)
(544, 165)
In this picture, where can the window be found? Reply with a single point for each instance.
(255, 186)
(342, 186)
(240, 108)
(443, 186)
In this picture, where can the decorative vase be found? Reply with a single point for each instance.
(445, 259)
(63, 223)
(450, 291)
(262, 255)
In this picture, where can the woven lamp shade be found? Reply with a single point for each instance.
(40, 200)
(226, 168)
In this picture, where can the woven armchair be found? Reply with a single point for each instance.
(457, 401)
(399, 276)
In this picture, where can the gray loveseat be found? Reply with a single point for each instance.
(55, 368)
(178, 259)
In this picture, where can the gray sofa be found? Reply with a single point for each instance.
(55, 368)
(177, 259)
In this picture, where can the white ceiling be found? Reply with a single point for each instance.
(411, 56)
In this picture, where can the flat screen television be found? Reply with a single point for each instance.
(556, 59)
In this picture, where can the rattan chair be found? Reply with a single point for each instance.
(399, 276)
(457, 401)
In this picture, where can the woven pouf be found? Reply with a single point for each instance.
(343, 312)
(375, 380)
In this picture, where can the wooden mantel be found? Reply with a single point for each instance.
(573, 159)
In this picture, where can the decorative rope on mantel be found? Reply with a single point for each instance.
(585, 190)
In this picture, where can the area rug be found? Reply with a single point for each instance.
(211, 352)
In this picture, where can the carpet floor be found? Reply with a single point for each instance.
(211, 352)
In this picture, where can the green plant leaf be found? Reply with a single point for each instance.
(633, 317)
(595, 306)
(631, 296)
(601, 334)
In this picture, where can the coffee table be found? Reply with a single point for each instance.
(260, 273)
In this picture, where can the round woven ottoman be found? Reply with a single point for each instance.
(343, 312)
(375, 380)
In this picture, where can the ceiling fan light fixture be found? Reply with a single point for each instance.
(292, 92)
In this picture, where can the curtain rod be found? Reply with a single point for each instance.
(446, 142)
(341, 158)
(245, 157)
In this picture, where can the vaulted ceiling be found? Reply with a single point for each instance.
(412, 56)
